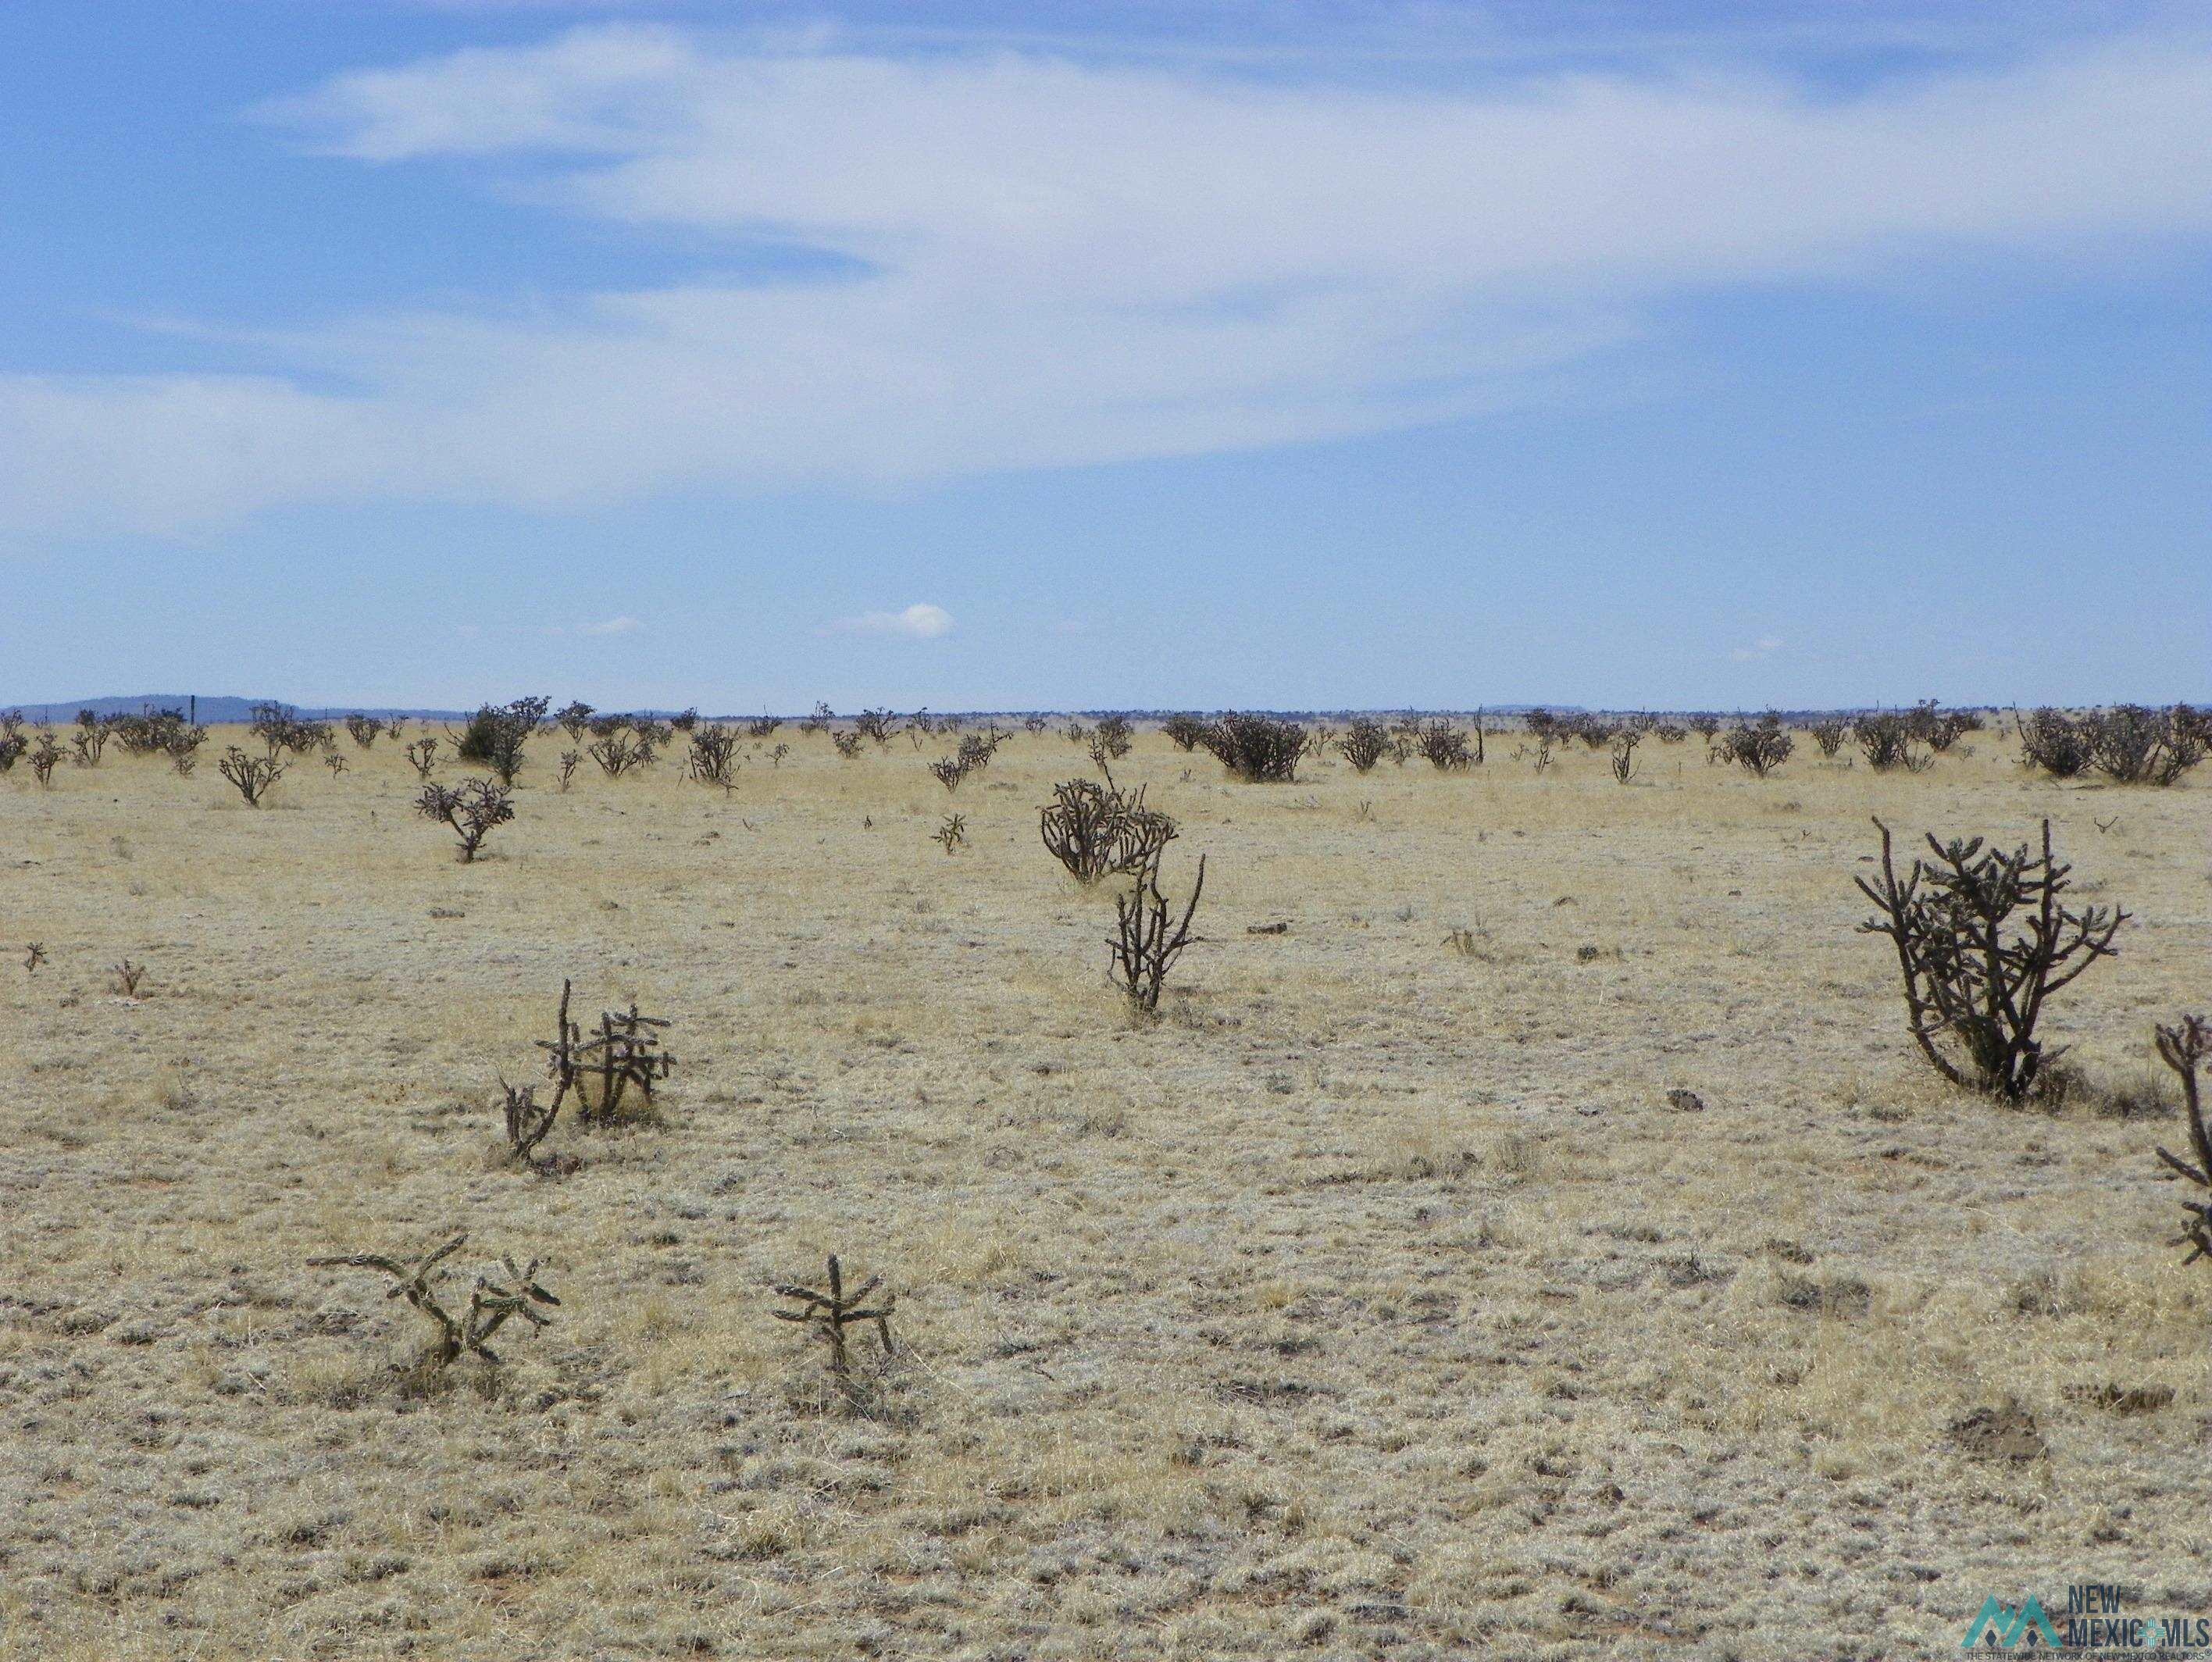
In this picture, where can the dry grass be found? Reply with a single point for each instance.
(1376, 1301)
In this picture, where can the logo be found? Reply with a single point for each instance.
(2000, 1627)
(2095, 1625)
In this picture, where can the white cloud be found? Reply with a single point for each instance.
(1051, 264)
(612, 626)
(1759, 651)
(920, 621)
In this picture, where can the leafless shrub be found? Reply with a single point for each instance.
(683, 720)
(423, 755)
(1144, 946)
(1096, 829)
(574, 718)
(12, 742)
(334, 762)
(1624, 756)
(1258, 749)
(1671, 733)
(1445, 747)
(1034, 723)
(1185, 732)
(34, 954)
(1829, 733)
(495, 734)
(1114, 736)
(1758, 749)
(952, 834)
(775, 756)
(282, 728)
(1705, 726)
(2054, 742)
(570, 760)
(950, 770)
(1937, 728)
(1364, 744)
(623, 1055)
(473, 809)
(848, 744)
(828, 1312)
(714, 759)
(1886, 739)
(618, 753)
(252, 775)
(527, 1124)
(126, 977)
(45, 757)
(818, 722)
(2130, 744)
(1963, 982)
(491, 1304)
(874, 725)
(2184, 1047)
(90, 739)
(365, 730)
(1539, 753)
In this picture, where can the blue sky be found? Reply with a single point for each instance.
(1081, 356)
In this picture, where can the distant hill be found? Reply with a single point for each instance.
(211, 710)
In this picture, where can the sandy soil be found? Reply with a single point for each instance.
(1376, 1301)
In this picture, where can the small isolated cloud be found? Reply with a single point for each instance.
(1759, 651)
(920, 621)
(612, 626)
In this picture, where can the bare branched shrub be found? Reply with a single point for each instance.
(1114, 736)
(1034, 724)
(422, 756)
(364, 730)
(1095, 830)
(685, 720)
(829, 1312)
(574, 718)
(491, 1304)
(762, 726)
(2132, 745)
(2054, 742)
(90, 739)
(1258, 749)
(1705, 726)
(1671, 733)
(1757, 748)
(619, 753)
(126, 977)
(495, 734)
(950, 770)
(1145, 946)
(13, 744)
(474, 808)
(1624, 756)
(875, 725)
(714, 758)
(527, 1124)
(1364, 744)
(334, 762)
(2184, 1047)
(34, 954)
(252, 775)
(569, 761)
(1829, 733)
(45, 757)
(819, 721)
(1185, 732)
(775, 756)
(283, 729)
(848, 744)
(623, 1055)
(952, 834)
(1886, 740)
(1445, 747)
(1939, 729)
(1966, 984)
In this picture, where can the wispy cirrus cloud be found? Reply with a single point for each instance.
(1042, 262)
(920, 621)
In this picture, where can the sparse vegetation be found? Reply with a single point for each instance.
(251, 775)
(472, 810)
(1258, 749)
(1973, 995)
